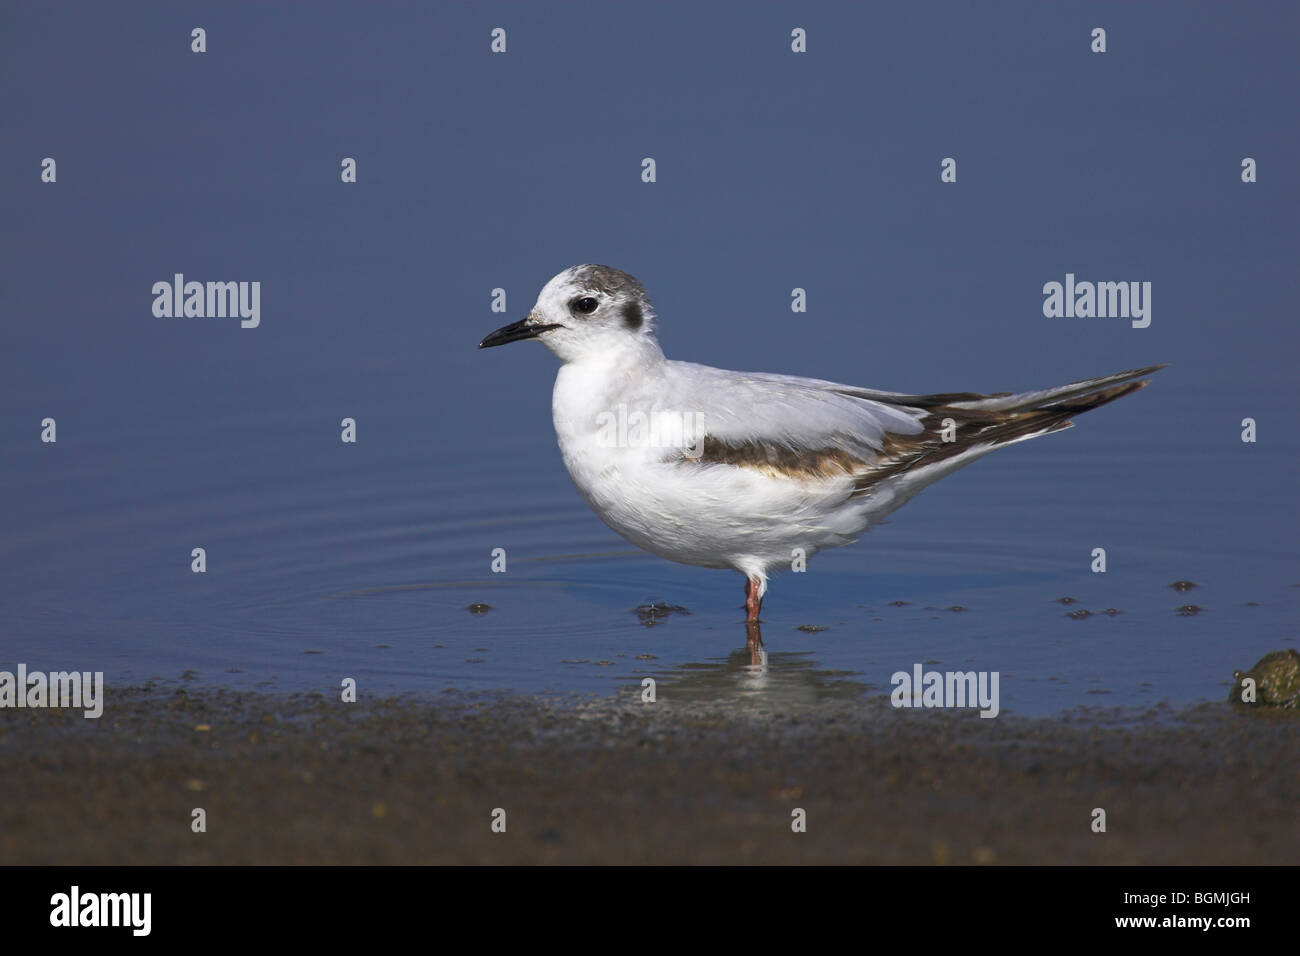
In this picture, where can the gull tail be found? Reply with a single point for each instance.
(1045, 398)
(984, 423)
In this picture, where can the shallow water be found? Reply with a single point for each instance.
(327, 560)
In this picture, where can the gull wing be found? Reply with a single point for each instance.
(810, 428)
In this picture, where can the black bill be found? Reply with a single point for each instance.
(515, 332)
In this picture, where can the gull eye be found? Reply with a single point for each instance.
(584, 305)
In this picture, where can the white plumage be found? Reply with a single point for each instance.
(757, 467)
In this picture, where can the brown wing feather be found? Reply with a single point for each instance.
(901, 453)
(974, 427)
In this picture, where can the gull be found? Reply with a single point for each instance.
(750, 470)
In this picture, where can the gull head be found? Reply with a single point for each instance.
(587, 311)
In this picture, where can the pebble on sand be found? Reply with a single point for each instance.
(1276, 678)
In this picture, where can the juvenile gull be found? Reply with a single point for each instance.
(750, 470)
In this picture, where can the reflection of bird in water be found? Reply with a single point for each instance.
(778, 678)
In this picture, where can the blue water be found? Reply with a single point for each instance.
(328, 560)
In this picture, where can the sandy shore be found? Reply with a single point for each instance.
(306, 779)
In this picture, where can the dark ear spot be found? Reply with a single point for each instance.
(632, 317)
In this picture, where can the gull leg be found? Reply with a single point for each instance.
(753, 636)
(753, 603)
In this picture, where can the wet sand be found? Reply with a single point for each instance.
(307, 779)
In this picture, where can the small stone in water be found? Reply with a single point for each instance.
(656, 611)
(1277, 681)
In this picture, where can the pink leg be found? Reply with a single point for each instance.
(753, 603)
(754, 637)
